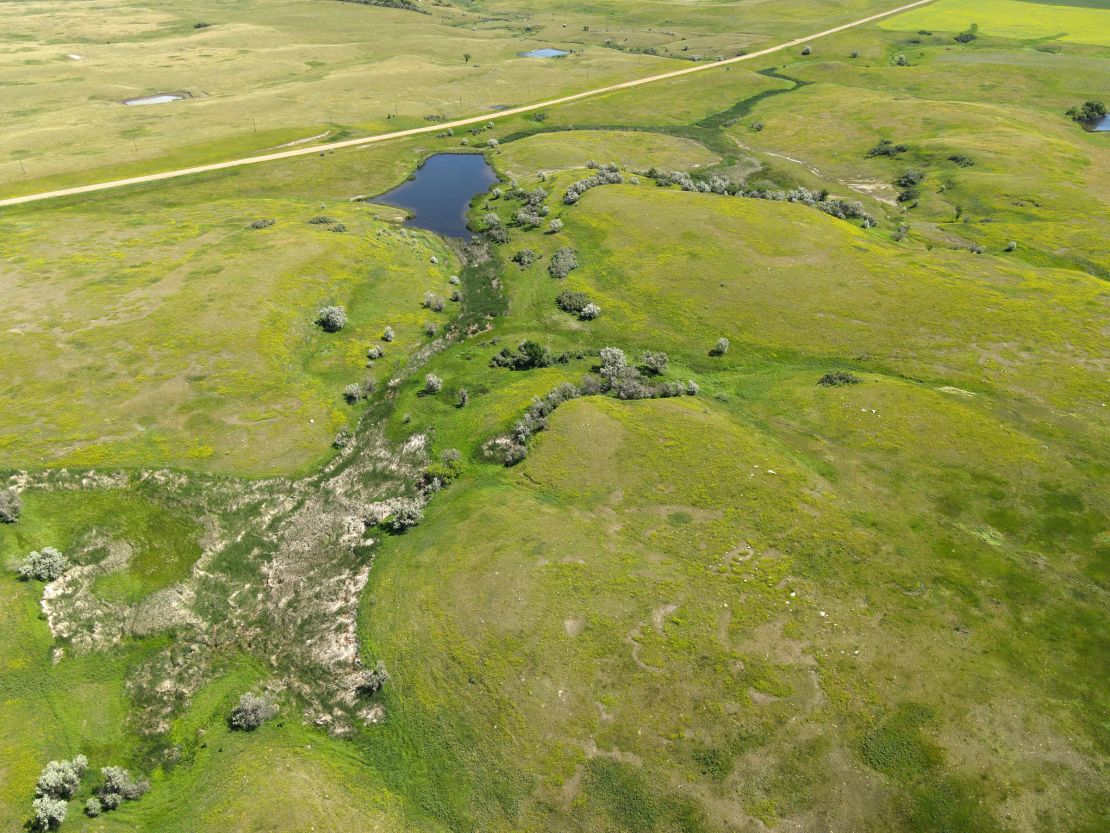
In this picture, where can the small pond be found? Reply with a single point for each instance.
(440, 191)
(1102, 124)
(546, 52)
(161, 98)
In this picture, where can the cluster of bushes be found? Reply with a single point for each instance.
(626, 381)
(961, 160)
(433, 302)
(617, 376)
(577, 303)
(119, 786)
(355, 393)
(59, 782)
(1088, 111)
(439, 474)
(969, 35)
(261, 224)
(563, 262)
(331, 319)
(841, 209)
(527, 356)
(886, 147)
(46, 565)
(11, 505)
(908, 182)
(514, 447)
(606, 175)
(253, 710)
(495, 232)
(406, 514)
(407, 5)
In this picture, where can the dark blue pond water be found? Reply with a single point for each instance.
(546, 52)
(1102, 124)
(440, 194)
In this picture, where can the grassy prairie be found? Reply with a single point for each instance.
(775, 605)
(1019, 19)
(180, 336)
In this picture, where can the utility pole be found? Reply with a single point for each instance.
(22, 168)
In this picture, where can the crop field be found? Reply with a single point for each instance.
(846, 570)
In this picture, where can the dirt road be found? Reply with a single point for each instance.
(439, 126)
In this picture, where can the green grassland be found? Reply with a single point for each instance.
(1019, 19)
(774, 605)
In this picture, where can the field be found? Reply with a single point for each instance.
(874, 603)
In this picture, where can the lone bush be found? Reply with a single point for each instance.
(11, 505)
(555, 226)
(44, 566)
(836, 378)
(407, 515)
(886, 147)
(720, 348)
(251, 713)
(387, 334)
(590, 312)
(525, 258)
(331, 319)
(352, 393)
(563, 262)
(258, 225)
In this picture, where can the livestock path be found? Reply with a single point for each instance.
(415, 131)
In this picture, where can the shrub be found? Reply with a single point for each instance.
(529, 354)
(1087, 111)
(331, 319)
(525, 257)
(61, 779)
(555, 226)
(961, 160)
(11, 505)
(456, 296)
(655, 363)
(886, 147)
(806, 50)
(251, 713)
(563, 262)
(93, 807)
(261, 224)
(352, 393)
(433, 302)
(901, 61)
(432, 384)
(497, 234)
(570, 301)
(405, 516)
(463, 398)
(322, 220)
(965, 37)
(836, 378)
(342, 439)
(527, 219)
(338, 228)
(1011, 246)
(119, 782)
(720, 348)
(44, 566)
(612, 361)
(606, 175)
(692, 388)
(375, 352)
(910, 179)
(430, 329)
(590, 312)
(387, 334)
(49, 812)
(493, 143)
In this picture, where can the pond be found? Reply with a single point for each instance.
(546, 52)
(440, 191)
(161, 98)
(1102, 125)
